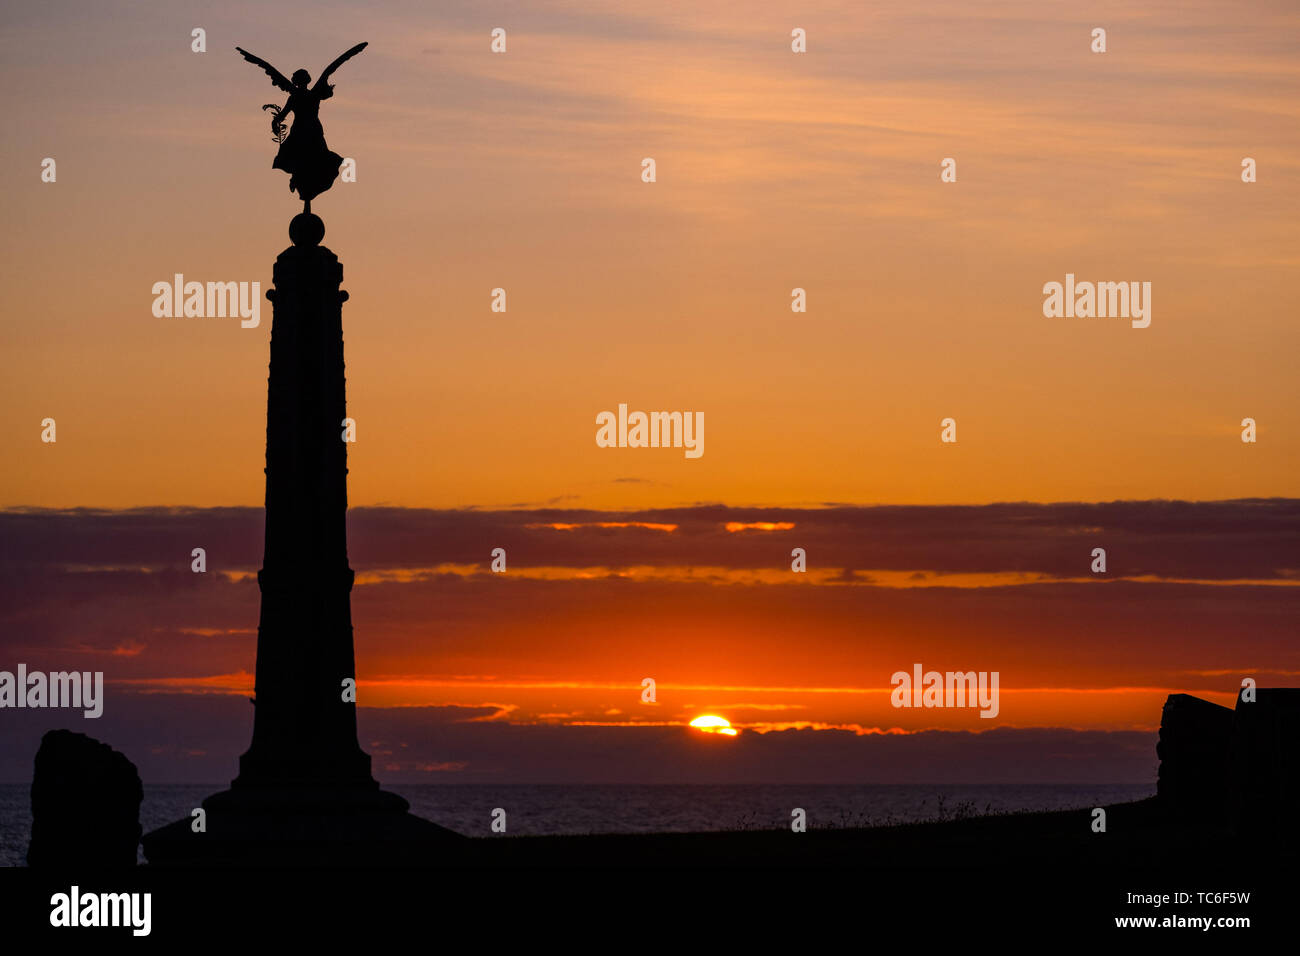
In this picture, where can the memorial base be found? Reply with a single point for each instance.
(295, 826)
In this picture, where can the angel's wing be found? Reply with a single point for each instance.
(277, 78)
(325, 74)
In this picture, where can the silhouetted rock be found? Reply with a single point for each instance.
(1241, 765)
(85, 804)
(1193, 752)
(1265, 764)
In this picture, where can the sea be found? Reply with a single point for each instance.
(560, 809)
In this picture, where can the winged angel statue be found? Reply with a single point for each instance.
(304, 154)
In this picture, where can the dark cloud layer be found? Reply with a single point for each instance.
(197, 739)
(1249, 538)
(141, 615)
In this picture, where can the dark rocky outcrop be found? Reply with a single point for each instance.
(1264, 764)
(1233, 767)
(1193, 750)
(85, 804)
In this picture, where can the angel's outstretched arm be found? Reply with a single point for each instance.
(277, 78)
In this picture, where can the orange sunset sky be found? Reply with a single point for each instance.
(475, 429)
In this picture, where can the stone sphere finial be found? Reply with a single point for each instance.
(306, 229)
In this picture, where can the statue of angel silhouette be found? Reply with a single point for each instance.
(303, 153)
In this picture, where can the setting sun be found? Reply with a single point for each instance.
(711, 724)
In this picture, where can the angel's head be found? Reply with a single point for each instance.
(300, 78)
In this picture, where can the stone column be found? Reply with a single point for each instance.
(303, 731)
(304, 794)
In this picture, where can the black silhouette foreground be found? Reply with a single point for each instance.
(312, 166)
(1228, 779)
(85, 805)
(304, 793)
(1243, 763)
